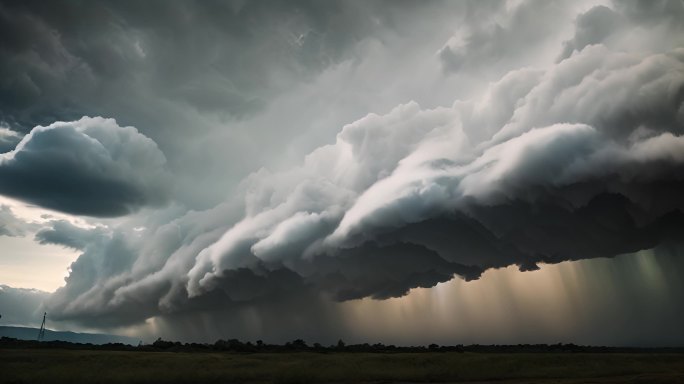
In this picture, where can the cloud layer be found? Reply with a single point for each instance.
(575, 150)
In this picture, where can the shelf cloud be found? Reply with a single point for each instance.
(410, 199)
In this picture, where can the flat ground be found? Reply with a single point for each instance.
(82, 366)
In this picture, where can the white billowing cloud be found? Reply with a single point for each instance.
(90, 167)
(302, 227)
(521, 155)
(613, 91)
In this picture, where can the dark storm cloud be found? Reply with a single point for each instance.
(213, 56)
(387, 271)
(579, 158)
(89, 167)
(116, 46)
(62, 232)
(183, 73)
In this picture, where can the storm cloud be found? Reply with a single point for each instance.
(407, 199)
(559, 144)
(186, 75)
(89, 167)
(62, 232)
(111, 51)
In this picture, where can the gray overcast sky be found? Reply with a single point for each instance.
(285, 169)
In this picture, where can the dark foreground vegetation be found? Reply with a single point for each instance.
(32, 362)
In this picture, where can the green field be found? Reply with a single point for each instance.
(78, 366)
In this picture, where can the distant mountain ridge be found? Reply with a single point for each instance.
(26, 333)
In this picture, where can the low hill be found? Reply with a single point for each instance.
(25, 333)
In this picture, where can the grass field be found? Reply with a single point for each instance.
(73, 366)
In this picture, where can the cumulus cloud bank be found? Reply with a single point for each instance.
(581, 159)
(562, 178)
(89, 167)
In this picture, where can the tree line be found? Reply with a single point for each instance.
(299, 345)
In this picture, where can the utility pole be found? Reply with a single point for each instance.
(41, 332)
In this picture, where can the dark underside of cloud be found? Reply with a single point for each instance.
(581, 158)
(62, 232)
